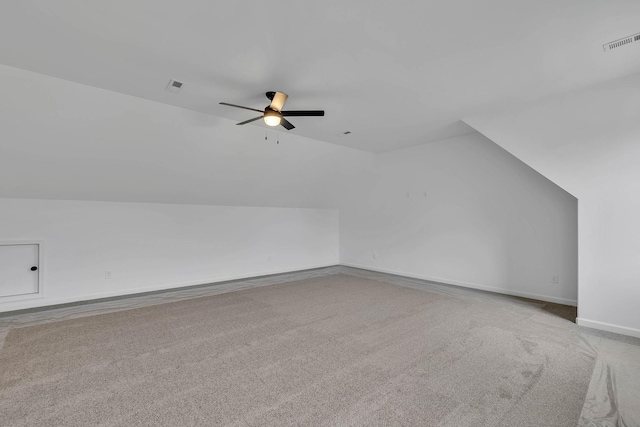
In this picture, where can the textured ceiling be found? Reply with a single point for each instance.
(395, 74)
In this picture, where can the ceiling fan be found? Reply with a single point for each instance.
(273, 114)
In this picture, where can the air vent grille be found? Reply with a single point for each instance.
(174, 86)
(621, 42)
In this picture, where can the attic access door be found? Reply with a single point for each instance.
(19, 270)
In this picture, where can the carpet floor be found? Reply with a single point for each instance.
(338, 350)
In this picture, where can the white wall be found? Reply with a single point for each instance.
(609, 292)
(466, 212)
(155, 246)
(588, 142)
(487, 220)
(66, 141)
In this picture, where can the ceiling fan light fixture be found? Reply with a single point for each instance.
(272, 118)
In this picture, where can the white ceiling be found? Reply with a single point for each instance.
(396, 74)
(582, 140)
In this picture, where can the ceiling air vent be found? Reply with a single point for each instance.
(174, 86)
(621, 42)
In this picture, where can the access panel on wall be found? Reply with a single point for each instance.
(19, 269)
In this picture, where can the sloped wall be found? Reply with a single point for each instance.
(588, 142)
(475, 216)
(220, 202)
(63, 140)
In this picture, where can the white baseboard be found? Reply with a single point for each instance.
(623, 330)
(44, 302)
(539, 297)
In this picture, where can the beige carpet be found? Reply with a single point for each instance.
(337, 350)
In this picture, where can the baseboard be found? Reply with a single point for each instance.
(47, 303)
(132, 292)
(539, 297)
(622, 330)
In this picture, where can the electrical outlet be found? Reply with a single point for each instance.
(107, 275)
(555, 278)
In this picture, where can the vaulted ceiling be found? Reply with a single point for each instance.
(584, 140)
(395, 74)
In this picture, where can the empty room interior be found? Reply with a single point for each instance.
(338, 213)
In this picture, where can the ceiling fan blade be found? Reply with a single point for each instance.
(286, 124)
(240, 106)
(302, 113)
(249, 121)
(278, 101)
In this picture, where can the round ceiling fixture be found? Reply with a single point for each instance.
(272, 117)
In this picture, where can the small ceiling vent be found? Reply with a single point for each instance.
(174, 86)
(621, 42)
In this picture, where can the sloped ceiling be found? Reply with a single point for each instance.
(62, 140)
(579, 139)
(395, 74)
